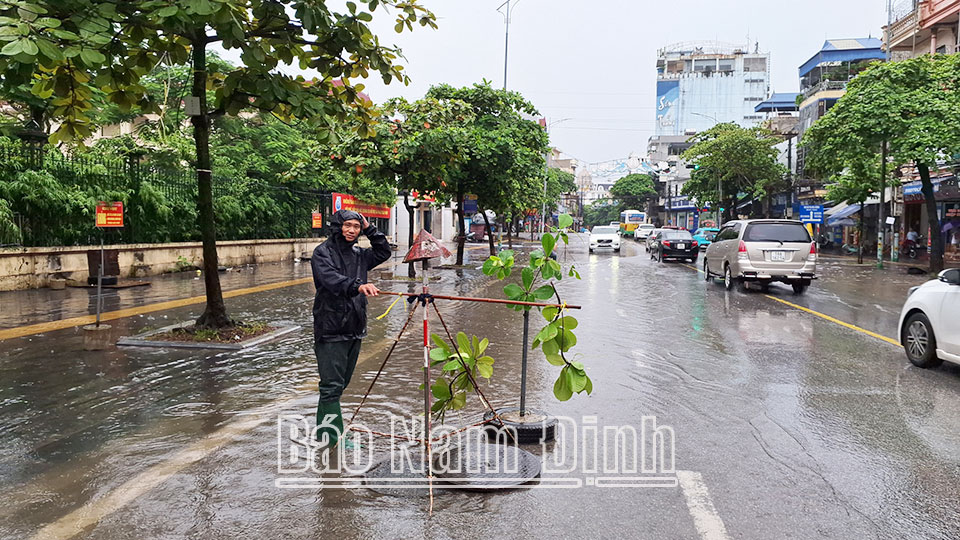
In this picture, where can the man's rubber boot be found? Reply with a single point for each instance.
(333, 428)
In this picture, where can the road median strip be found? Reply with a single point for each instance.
(41, 328)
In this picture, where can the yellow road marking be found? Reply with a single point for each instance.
(51, 326)
(824, 316)
(836, 321)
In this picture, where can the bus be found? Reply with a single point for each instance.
(629, 219)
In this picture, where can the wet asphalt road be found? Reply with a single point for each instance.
(797, 427)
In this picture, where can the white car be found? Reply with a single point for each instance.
(605, 237)
(643, 231)
(930, 321)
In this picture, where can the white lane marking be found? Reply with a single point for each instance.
(705, 516)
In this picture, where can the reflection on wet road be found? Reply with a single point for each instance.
(798, 426)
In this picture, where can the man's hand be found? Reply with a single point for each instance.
(369, 289)
(365, 222)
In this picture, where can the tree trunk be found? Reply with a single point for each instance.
(215, 313)
(486, 223)
(411, 270)
(509, 227)
(461, 233)
(933, 221)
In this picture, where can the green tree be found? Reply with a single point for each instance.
(911, 105)
(504, 158)
(67, 49)
(633, 190)
(854, 185)
(600, 212)
(733, 164)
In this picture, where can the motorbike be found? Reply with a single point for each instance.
(910, 248)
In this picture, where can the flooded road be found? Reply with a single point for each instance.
(786, 424)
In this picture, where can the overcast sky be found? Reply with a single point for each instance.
(594, 62)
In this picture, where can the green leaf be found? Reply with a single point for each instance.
(513, 291)
(453, 365)
(168, 11)
(554, 359)
(49, 50)
(13, 48)
(565, 220)
(544, 292)
(485, 367)
(92, 57)
(464, 343)
(561, 388)
(484, 343)
(489, 267)
(527, 277)
(439, 354)
(568, 323)
(588, 387)
(547, 333)
(551, 347)
(576, 380)
(550, 313)
(548, 241)
(440, 389)
(458, 401)
(567, 341)
(440, 343)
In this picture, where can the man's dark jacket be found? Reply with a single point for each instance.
(339, 268)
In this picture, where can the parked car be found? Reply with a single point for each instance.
(650, 238)
(704, 236)
(605, 237)
(674, 245)
(930, 321)
(643, 231)
(762, 251)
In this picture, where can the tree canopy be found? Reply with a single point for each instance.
(912, 106)
(68, 51)
(732, 164)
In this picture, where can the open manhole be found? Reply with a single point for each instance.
(475, 465)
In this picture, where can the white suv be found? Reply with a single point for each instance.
(930, 321)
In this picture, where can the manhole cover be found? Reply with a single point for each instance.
(480, 465)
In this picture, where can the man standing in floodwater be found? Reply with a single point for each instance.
(340, 310)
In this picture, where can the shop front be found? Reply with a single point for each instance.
(947, 196)
(682, 213)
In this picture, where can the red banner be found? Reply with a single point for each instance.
(109, 214)
(342, 201)
(317, 220)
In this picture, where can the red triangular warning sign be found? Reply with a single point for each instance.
(425, 246)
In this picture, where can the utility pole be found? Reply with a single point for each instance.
(881, 220)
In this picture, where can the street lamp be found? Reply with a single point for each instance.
(506, 35)
(546, 169)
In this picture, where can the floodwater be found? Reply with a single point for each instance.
(797, 426)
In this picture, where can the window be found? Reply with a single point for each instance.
(725, 65)
(705, 65)
(748, 81)
(754, 64)
(676, 235)
(776, 232)
(726, 233)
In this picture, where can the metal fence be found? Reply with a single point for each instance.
(159, 201)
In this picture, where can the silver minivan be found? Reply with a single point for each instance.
(762, 251)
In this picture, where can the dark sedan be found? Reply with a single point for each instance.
(671, 244)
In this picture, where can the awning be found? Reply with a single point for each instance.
(835, 219)
(831, 211)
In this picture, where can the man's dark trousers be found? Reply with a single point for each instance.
(336, 361)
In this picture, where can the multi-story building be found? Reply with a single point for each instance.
(920, 27)
(700, 84)
(823, 81)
